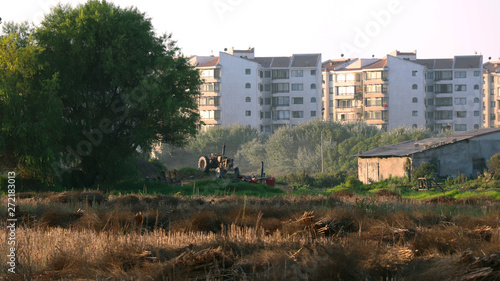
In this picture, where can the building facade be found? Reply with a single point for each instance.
(263, 92)
(401, 90)
(491, 95)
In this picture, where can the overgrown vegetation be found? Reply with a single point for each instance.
(290, 150)
(342, 236)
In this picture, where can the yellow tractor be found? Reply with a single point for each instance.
(220, 163)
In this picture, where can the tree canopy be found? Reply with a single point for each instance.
(111, 86)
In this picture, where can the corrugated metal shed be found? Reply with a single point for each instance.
(415, 146)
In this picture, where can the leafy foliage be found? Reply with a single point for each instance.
(425, 170)
(494, 165)
(122, 88)
(29, 109)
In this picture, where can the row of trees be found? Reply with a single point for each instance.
(313, 146)
(88, 89)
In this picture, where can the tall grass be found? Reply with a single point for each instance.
(140, 237)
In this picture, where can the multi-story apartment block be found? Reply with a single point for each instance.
(453, 92)
(263, 92)
(401, 90)
(491, 95)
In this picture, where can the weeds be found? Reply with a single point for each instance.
(349, 237)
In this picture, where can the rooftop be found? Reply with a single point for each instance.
(415, 146)
(493, 66)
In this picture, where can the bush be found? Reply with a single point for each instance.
(186, 172)
(494, 165)
(329, 180)
(425, 170)
(302, 178)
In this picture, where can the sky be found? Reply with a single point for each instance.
(355, 28)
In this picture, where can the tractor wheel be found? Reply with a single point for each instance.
(203, 164)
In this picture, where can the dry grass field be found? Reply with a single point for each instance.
(92, 236)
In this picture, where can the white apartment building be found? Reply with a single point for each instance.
(401, 90)
(491, 94)
(263, 92)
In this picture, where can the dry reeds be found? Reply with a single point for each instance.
(232, 238)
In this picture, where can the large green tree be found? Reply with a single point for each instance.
(30, 112)
(122, 87)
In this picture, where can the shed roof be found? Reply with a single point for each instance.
(416, 146)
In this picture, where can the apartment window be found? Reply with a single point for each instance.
(210, 114)
(477, 73)
(313, 113)
(297, 100)
(444, 102)
(261, 87)
(461, 101)
(281, 115)
(476, 113)
(460, 127)
(248, 85)
(267, 114)
(280, 74)
(349, 77)
(267, 87)
(330, 103)
(281, 87)
(376, 88)
(344, 103)
(414, 73)
(297, 73)
(345, 90)
(414, 100)
(376, 75)
(210, 87)
(281, 101)
(313, 86)
(297, 87)
(476, 126)
(492, 104)
(297, 114)
(267, 74)
(476, 87)
(430, 102)
(430, 89)
(376, 115)
(248, 71)
(460, 74)
(430, 115)
(460, 88)
(476, 100)
(209, 101)
(443, 88)
(330, 90)
(414, 87)
(313, 100)
(330, 77)
(492, 117)
(248, 99)
(430, 75)
(443, 75)
(313, 71)
(371, 102)
(261, 73)
(414, 113)
(461, 114)
(267, 101)
(248, 113)
(444, 115)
